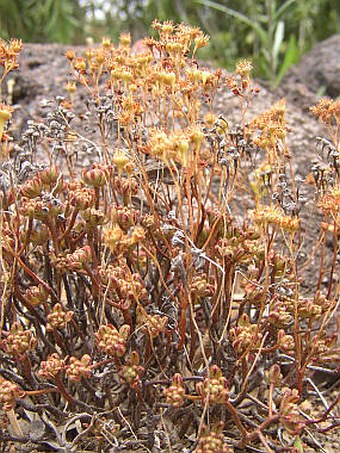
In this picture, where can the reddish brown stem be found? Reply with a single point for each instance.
(62, 390)
(182, 320)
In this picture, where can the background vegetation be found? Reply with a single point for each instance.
(274, 33)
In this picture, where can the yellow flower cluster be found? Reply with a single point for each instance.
(271, 127)
(327, 111)
(9, 52)
(270, 215)
(330, 203)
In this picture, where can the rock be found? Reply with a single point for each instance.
(319, 69)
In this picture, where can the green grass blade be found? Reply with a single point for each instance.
(291, 56)
(282, 9)
(278, 40)
(263, 36)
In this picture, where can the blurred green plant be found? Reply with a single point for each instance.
(278, 32)
(273, 33)
(43, 20)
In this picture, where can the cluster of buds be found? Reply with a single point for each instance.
(130, 108)
(75, 261)
(116, 240)
(95, 59)
(52, 178)
(80, 197)
(164, 79)
(117, 75)
(245, 336)
(79, 66)
(176, 40)
(124, 287)
(138, 234)
(200, 286)
(175, 394)
(181, 145)
(214, 388)
(76, 369)
(133, 288)
(281, 265)
(19, 341)
(124, 41)
(321, 344)
(203, 77)
(272, 129)
(131, 372)
(36, 295)
(153, 324)
(9, 52)
(274, 376)
(240, 84)
(328, 111)
(256, 295)
(32, 188)
(96, 176)
(40, 209)
(160, 145)
(58, 318)
(49, 179)
(9, 392)
(79, 62)
(113, 275)
(127, 187)
(94, 217)
(212, 440)
(289, 413)
(52, 367)
(280, 313)
(285, 342)
(71, 88)
(308, 309)
(124, 216)
(314, 308)
(271, 215)
(178, 147)
(111, 341)
(330, 203)
(238, 249)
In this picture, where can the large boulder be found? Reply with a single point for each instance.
(319, 69)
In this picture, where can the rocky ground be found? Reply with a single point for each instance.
(43, 75)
